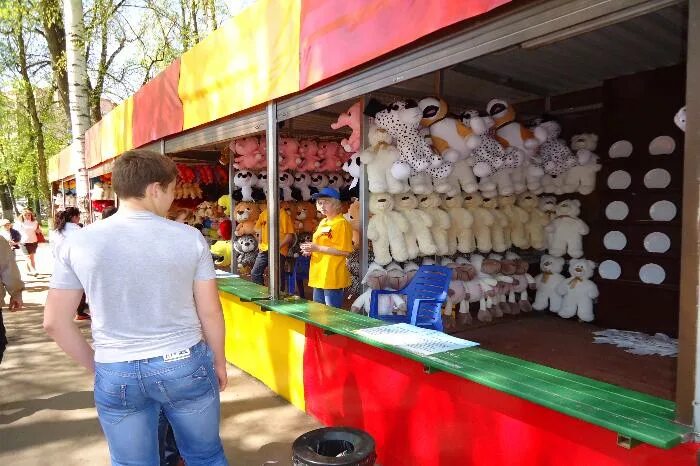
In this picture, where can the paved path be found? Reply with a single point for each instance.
(47, 415)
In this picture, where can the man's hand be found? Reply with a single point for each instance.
(220, 370)
(16, 303)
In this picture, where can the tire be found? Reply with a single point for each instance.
(321, 447)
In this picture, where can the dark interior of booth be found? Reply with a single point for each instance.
(624, 82)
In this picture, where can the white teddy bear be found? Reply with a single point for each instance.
(379, 158)
(547, 283)
(460, 236)
(581, 178)
(537, 220)
(567, 230)
(430, 204)
(245, 181)
(418, 236)
(483, 221)
(386, 229)
(578, 291)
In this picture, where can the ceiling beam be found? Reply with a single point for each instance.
(522, 86)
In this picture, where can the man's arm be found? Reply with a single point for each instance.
(211, 316)
(58, 323)
(10, 277)
(286, 240)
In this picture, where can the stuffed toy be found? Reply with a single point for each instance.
(286, 181)
(351, 118)
(376, 278)
(225, 229)
(536, 221)
(246, 248)
(410, 268)
(245, 180)
(500, 233)
(250, 155)
(421, 183)
(553, 184)
(490, 156)
(262, 182)
(509, 132)
(288, 152)
(460, 234)
(329, 156)
(578, 291)
(379, 157)
(336, 181)
(97, 192)
(352, 169)
(465, 272)
(396, 276)
(450, 137)
(489, 270)
(222, 249)
(245, 215)
(318, 181)
(554, 155)
(483, 221)
(456, 294)
(505, 284)
(523, 282)
(680, 118)
(402, 121)
(548, 205)
(418, 235)
(517, 221)
(305, 219)
(567, 230)
(308, 156)
(547, 282)
(386, 229)
(353, 216)
(581, 178)
(225, 203)
(302, 182)
(477, 285)
(430, 205)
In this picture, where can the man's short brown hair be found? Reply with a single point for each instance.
(136, 169)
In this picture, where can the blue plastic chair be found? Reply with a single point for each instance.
(300, 271)
(425, 295)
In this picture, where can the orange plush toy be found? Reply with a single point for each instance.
(246, 214)
(353, 216)
(305, 219)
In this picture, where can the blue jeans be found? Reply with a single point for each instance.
(329, 297)
(129, 397)
(258, 271)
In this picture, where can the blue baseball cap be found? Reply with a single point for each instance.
(326, 192)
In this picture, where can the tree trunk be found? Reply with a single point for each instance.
(37, 126)
(184, 26)
(6, 202)
(52, 21)
(193, 20)
(212, 13)
(77, 77)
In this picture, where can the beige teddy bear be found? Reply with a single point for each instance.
(517, 220)
(460, 236)
(537, 220)
(500, 234)
(418, 235)
(386, 230)
(430, 204)
(483, 221)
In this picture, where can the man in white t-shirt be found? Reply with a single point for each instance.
(157, 323)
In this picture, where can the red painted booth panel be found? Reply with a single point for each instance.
(337, 35)
(157, 107)
(442, 420)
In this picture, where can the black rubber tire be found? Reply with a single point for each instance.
(320, 447)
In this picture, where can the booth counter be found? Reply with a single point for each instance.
(467, 406)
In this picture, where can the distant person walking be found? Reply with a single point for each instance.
(157, 323)
(11, 235)
(10, 283)
(28, 228)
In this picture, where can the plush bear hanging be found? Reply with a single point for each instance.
(245, 181)
(460, 234)
(581, 178)
(546, 283)
(418, 236)
(483, 221)
(517, 221)
(245, 214)
(523, 282)
(430, 205)
(352, 119)
(578, 291)
(379, 157)
(567, 230)
(249, 152)
(386, 229)
(450, 137)
(536, 220)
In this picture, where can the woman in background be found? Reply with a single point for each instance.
(28, 227)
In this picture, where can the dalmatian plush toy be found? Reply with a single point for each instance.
(555, 156)
(402, 121)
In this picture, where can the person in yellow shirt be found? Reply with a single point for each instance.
(286, 239)
(330, 245)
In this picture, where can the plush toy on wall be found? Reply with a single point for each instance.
(554, 155)
(517, 221)
(246, 248)
(547, 282)
(352, 169)
(336, 181)
(430, 205)
(500, 234)
(450, 137)
(578, 291)
(387, 304)
(286, 181)
(460, 234)
(305, 220)
(288, 153)
(505, 285)
(379, 157)
(418, 236)
(351, 118)
(581, 178)
(223, 250)
(523, 282)
(536, 220)
(386, 229)
(421, 183)
(353, 216)
(483, 221)
(456, 293)
(402, 120)
(245, 181)
(225, 203)
(245, 214)
(250, 155)
(302, 182)
(318, 181)
(490, 156)
(329, 156)
(478, 288)
(308, 156)
(513, 134)
(261, 183)
(567, 230)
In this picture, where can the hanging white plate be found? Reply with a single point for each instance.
(662, 211)
(652, 273)
(610, 270)
(658, 178)
(615, 240)
(619, 179)
(657, 242)
(617, 210)
(662, 145)
(620, 149)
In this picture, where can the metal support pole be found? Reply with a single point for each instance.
(162, 147)
(63, 190)
(364, 198)
(687, 374)
(273, 223)
(234, 253)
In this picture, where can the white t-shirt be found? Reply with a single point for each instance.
(56, 237)
(138, 271)
(28, 231)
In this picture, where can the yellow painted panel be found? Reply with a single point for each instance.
(52, 168)
(251, 59)
(115, 132)
(267, 345)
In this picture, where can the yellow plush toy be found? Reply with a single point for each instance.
(223, 249)
(225, 202)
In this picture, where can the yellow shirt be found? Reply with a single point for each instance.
(326, 270)
(286, 228)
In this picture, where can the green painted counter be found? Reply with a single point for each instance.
(631, 414)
